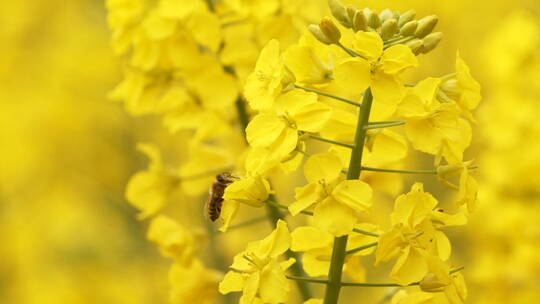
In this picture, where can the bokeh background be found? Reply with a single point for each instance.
(67, 235)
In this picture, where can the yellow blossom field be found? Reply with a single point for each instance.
(269, 151)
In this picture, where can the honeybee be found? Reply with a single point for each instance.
(215, 201)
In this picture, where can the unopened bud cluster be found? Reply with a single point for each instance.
(392, 26)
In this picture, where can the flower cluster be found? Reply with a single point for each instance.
(333, 103)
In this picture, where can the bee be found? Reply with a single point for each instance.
(215, 201)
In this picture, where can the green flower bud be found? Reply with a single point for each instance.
(351, 10)
(330, 30)
(385, 15)
(415, 45)
(389, 28)
(406, 17)
(431, 41)
(409, 28)
(316, 31)
(426, 25)
(372, 19)
(339, 11)
(359, 21)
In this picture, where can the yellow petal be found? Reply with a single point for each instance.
(368, 44)
(317, 262)
(355, 194)
(274, 287)
(232, 282)
(312, 117)
(264, 129)
(410, 267)
(353, 76)
(387, 94)
(397, 58)
(389, 146)
(322, 167)
(276, 243)
(305, 197)
(307, 238)
(334, 217)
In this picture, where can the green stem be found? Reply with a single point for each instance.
(274, 215)
(358, 249)
(337, 143)
(355, 168)
(385, 125)
(354, 103)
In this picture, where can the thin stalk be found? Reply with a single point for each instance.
(354, 103)
(366, 232)
(273, 216)
(337, 143)
(399, 171)
(335, 272)
(385, 125)
(349, 51)
(358, 249)
(247, 223)
(307, 279)
(351, 284)
(280, 206)
(399, 41)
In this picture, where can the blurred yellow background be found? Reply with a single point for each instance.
(66, 153)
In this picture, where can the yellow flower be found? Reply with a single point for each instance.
(174, 240)
(312, 62)
(450, 288)
(149, 190)
(338, 203)
(378, 69)
(251, 190)
(415, 235)
(462, 88)
(257, 271)
(193, 284)
(295, 111)
(264, 84)
(434, 127)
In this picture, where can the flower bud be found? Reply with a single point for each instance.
(359, 21)
(409, 28)
(385, 15)
(406, 17)
(330, 30)
(426, 25)
(339, 11)
(415, 45)
(372, 18)
(431, 41)
(316, 31)
(389, 28)
(430, 283)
